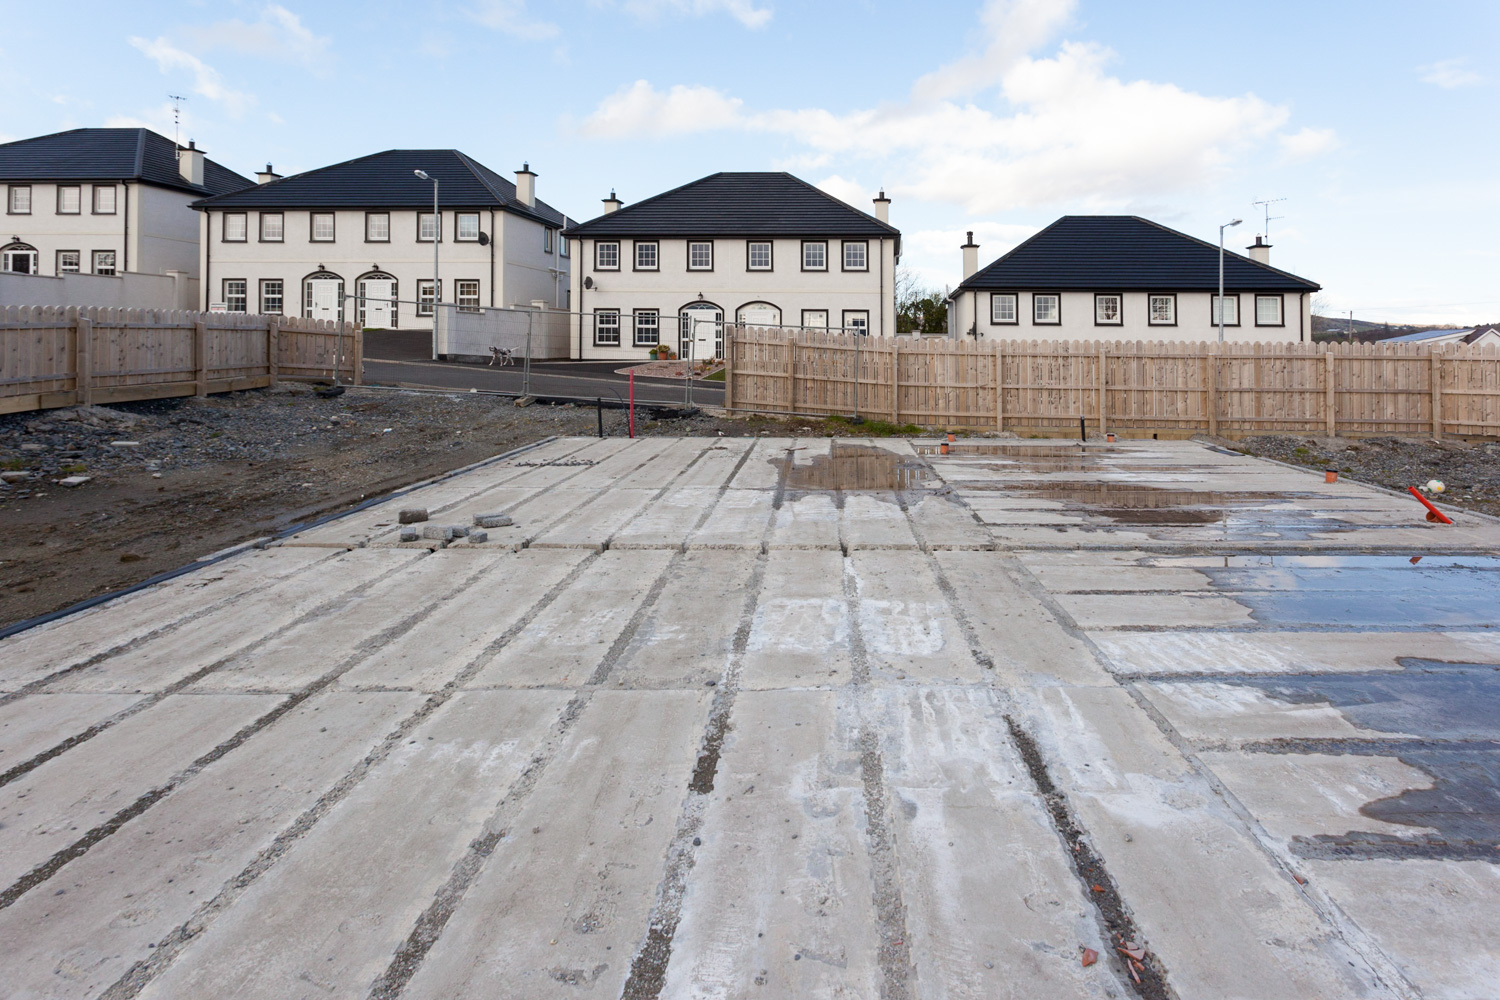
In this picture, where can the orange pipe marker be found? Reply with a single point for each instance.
(1433, 513)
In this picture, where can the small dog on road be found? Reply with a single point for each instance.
(504, 355)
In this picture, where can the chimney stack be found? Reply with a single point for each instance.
(883, 207)
(267, 175)
(526, 186)
(971, 256)
(1260, 251)
(190, 163)
(612, 204)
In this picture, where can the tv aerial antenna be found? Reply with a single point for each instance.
(1266, 204)
(177, 100)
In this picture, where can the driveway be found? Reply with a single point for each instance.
(780, 718)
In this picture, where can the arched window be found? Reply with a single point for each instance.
(700, 323)
(323, 296)
(18, 258)
(758, 314)
(376, 305)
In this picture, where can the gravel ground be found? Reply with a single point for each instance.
(1470, 470)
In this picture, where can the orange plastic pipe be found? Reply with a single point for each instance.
(1439, 515)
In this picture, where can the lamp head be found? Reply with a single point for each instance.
(422, 174)
(1236, 222)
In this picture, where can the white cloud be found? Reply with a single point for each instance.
(511, 17)
(1015, 28)
(206, 80)
(1449, 74)
(743, 11)
(642, 110)
(278, 34)
(1307, 143)
(849, 192)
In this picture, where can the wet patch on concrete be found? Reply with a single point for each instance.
(1133, 503)
(1397, 595)
(857, 468)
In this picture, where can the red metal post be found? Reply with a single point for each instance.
(632, 402)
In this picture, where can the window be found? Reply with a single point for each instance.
(1003, 308)
(69, 199)
(468, 227)
(645, 256)
(700, 256)
(857, 322)
(1268, 310)
(272, 227)
(607, 328)
(104, 262)
(377, 227)
(815, 256)
(856, 256)
(271, 296)
(425, 296)
(546, 240)
(565, 248)
(606, 256)
(1107, 310)
(1231, 310)
(235, 227)
(468, 295)
(104, 199)
(815, 319)
(234, 294)
(20, 199)
(758, 257)
(429, 227)
(322, 227)
(1161, 310)
(69, 261)
(647, 328)
(1046, 309)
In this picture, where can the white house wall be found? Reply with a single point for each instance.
(163, 230)
(529, 268)
(730, 286)
(1194, 319)
(85, 232)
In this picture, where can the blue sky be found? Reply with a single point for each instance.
(1375, 122)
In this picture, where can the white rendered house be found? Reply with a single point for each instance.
(107, 201)
(1121, 277)
(763, 249)
(354, 241)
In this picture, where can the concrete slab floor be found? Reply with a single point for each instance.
(780, 717)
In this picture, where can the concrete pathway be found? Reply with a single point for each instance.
(780, 718)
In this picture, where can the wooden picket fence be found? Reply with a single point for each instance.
(1134, 388)
(51, 356)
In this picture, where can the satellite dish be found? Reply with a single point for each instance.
(588, 282)
(484, 239)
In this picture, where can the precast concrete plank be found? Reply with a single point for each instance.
(1229, 652)
(1100, 557)
(1215, 711)
(780, 901)
(30, 725)
(666, 467)
(806, 451)
(302, 654)
(539, 514)
(327, 919)
(1137, 610)
(806, 521)
(373, 526)
(568, 640)
(738, 521)
(800, 634)
(1198, 886)
(942, 523)
(54, 805)
(762, 471)
(627, 456)
(1070, 579)
(58, 645)
(160, 662)
(717, 463)
(993, 906)
(135, 887)
(596, 522)
(667, 521)
(687, 638)
(874, 521)
(558, 902)
(904, 620)
(1002, 516)
(455, 632)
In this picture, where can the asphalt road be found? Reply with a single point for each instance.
(546, 380)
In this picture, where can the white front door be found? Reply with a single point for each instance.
(325, 298)
(702, 334)
(377, 296)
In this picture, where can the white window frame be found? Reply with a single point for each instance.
(1280, 309)
(77, 265)
(385, 217)
(856, 321)
(307, 292)
(1103, 299)
(821, 249)
(700, 245)
(32, 255)
(236, 290)
(1037, 301)
(607, 250)
(266, 236)
(105, 193)
(15, 204)
(1233, 319)
(649, 249)
(425, 224)
(651, 326)
(97, 255)
(606, 325)
(546, 239)
(1166, 316)
(312, 228)
(750, 249)
(235, 227)
(77, 191)
(426, 296)
(466, 294)
(998, 300)
(272, 303)
(863, 247)
(458, 227)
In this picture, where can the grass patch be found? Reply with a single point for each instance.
(717, 376)
(71, 469)
(13, 464)
(877, 428)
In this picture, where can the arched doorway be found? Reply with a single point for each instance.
(377, 300)
(323, 296)
(758, 314)
(701, 331)
(19, 258)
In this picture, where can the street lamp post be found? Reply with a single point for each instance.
(437, 230)
(1225, 226)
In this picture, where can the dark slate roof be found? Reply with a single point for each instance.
(386, 180)
(1119, 252)
(109, 154)
(739, 204)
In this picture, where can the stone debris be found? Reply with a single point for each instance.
(493, 520)
(438, 532)
(412, 515)
(14, 477)
(410, 534)
(478, 537)
(72, 481)
(124, 444)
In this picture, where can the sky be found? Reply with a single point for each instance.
(1375, 121)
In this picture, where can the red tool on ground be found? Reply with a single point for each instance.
(1433, 514)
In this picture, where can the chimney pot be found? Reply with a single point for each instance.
(190, 163)
(1260, 251)
(883, 207)
(267, 175)
(971, 256)
(526, 186)
(612, 204)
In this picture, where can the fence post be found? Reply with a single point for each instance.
(895, 380)
(83, 335)
(999, 385)
(359, 354)
(1330, 401)
(791, 373)
(1211, 390)
(1437, 394)
(273, 346)
(1103, 377)
(729, 367)
(200, 356)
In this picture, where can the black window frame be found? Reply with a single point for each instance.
(114, 205)
(826, 313)
(280, 310)
(1120, 321)
(312, 227)
(458, 303)
(463, 239)
(1213, 296)
(224, 227)
(437, 228)
(824, 245)
(635, 254)
(1054, 322)
(244, 295)
(368, 216)
(1015, 298)
(700, 243)
(615, 314)
(10, 199)
(57, 262)
(437, 296)
(260, 227)
(635, 327)
(94, 262)
(547, 239)
(844, 255)
(600, 245)
(57, 206)
(1151, 320)
(844, 325)
(770, 256)
(1280, 309)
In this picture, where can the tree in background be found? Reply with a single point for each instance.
(920, 308)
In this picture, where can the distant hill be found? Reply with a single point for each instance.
(1337, 328)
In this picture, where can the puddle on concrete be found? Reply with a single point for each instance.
(1132, 503)
(858, 467)
(1454, 710)
(1394, 594)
